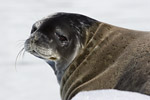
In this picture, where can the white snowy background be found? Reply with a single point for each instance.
(33, 79)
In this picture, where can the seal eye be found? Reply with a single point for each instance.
(62, 38)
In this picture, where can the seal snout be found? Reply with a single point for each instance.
(39, 45)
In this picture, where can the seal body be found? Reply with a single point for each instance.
(118, 60)
(99, 55)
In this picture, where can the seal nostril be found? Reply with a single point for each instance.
(33, 29)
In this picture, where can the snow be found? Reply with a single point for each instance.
(110, 95)
(33, 79)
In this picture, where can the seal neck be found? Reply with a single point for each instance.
(94, 37)
(90, 34)
(91, 37)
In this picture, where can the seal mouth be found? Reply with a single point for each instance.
(47, 53)
(53, 58)
(44, 55)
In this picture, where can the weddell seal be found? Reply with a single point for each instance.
(86, 54)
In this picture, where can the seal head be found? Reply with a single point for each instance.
(58, 39)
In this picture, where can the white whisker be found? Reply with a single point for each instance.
(18, 57)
